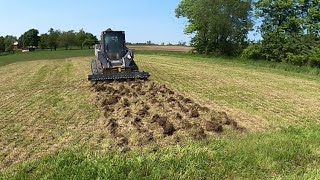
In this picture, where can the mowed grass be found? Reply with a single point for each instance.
(45, 106)
(272, 98)
(289, 154)
(157, 48)
(40, 55)
(51, 129)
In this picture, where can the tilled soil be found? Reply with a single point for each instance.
(144, 113)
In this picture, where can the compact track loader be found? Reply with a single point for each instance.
(114, 61)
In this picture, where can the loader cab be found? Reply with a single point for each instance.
(114, 44)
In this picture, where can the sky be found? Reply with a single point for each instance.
(143, 20)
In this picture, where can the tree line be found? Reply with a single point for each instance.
(290, 29)
(52, 40)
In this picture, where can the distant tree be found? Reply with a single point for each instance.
(20, 42)
(68, 39)
(53, 39)
(2, 44)
(8, 42)
(149, 42)
(86, 39)
(89, 43)
(182, 43)
(217, 25)
(90, 40)
(81, 37)
(44, 41)
(109, 29)
(31, 38)
(162, 44)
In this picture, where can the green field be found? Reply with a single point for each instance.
(50, 125)
(40, 55)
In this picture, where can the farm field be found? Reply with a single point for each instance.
(160, 48)
(197, 117)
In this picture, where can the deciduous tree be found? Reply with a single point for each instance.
(81, 37)
(44, 41)
(8, 42)
(217, 25)
(31, 38)
(85, 39)
(2, 45)
(53, 39)
(68, 39)
(290, 29)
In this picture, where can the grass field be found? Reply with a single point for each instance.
(40, 55)
(50, 127)
(157, 48)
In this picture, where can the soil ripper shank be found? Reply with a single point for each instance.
(114, 61)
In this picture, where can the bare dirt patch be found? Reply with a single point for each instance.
(144, 113)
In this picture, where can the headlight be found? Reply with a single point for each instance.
(129, 56)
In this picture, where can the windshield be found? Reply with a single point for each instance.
(113, 43)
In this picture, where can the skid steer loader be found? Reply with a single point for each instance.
(114, 61)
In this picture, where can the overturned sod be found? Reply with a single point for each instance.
(145, 113)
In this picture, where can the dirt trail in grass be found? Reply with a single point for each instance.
(144, 113)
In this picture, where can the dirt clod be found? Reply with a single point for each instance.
(100, 88)
(123, 141)
(171, 92)
(128, 113)
(187, 100)
(167, 126)
(154, 101)
(112, 126)
(171, 99)
(183, 108)
(204, 109)
(143, 112)
(194, 113)
(178, 116)
(126, 102)
(111, 100)
(212, 126)
(198, 133)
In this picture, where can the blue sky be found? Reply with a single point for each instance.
(142, 20)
